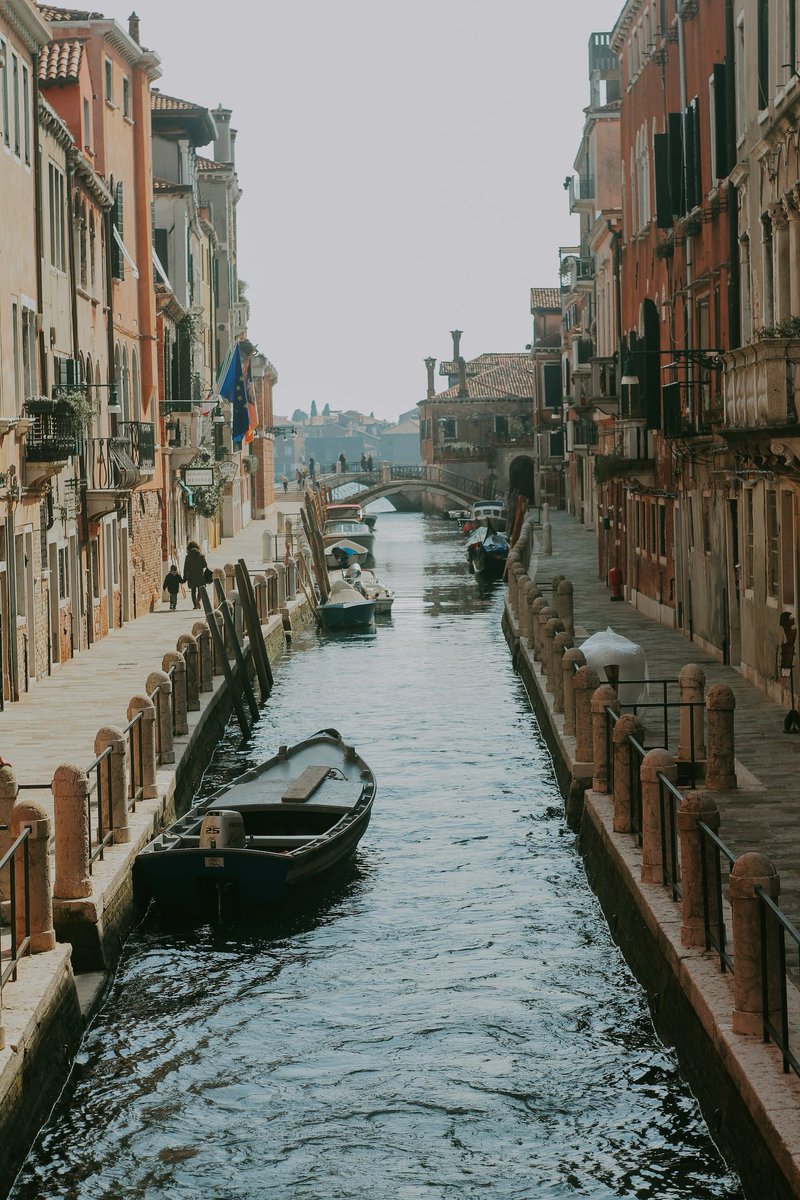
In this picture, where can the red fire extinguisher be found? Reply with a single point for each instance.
(615, 583)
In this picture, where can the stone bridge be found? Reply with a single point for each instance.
(391, 480)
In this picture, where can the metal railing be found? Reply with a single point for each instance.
(157, 698)
(133, 732)
(94, 798)
(18, 947)
(669, 801)
(713, 852)
(141, 439)
(53, 435)
(108, 465)
(770, 915)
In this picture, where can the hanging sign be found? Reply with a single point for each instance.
(197, 477)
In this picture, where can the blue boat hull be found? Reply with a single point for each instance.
(347, 616)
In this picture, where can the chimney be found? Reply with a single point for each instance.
(133, 28)
(462, 379)
(222, 142)
(430, 363)
(233, 145)
(455, 334)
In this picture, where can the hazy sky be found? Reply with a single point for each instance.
(402, 168)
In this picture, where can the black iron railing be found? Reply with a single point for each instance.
(54, 434)
(774, 928)
(133, 731)
(669, 801)
(713, 852)
(141, 439)
(108, 465)
(103, 833)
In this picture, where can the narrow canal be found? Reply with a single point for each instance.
(452, 1019)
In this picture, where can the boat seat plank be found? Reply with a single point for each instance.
(270, 841)
(304, 786)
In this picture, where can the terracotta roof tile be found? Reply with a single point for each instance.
(546, 298)
(161, 103)
(51, 13)
(208, 164)
(511, 379)
(475, 365)
(60, 62)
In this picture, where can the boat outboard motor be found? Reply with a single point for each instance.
(222, 829)
(352, 573)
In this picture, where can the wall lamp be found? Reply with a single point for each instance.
(280, 431)
(707, 360)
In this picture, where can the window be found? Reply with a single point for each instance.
(652, 529)
(501, 427)
(57, 239)
(662, 531)
(552, 385)
(707, 524)
(63, 575)
(94, 568)
(762, 51)
(787, 550)
(448, 428)
(26, 113)
(126, 96)
(29, 377)
(87, 126)
(15, 352)
(741, 87)
(92, 236)
(4, 93)
(773, 547)
(15, 99)
(117, 259)
(749, 541)
(109, 80)
(690, 521)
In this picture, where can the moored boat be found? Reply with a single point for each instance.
(487, 551)
(353, 531)
(277, 829)
(346, 608)
(369, 585)
(341, 511)
(342, 553)
(483, 513)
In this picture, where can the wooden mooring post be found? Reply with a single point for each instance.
(253, 625)
(217, 639)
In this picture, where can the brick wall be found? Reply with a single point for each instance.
(147, 566)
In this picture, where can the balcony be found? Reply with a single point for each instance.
(604, 382)
(758, 386)
(582, 192)
(689, 409)
(52, 437)
(114, 466)
(581, 434)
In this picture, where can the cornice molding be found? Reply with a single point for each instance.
(32, 30)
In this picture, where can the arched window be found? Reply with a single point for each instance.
(125, 395)
(136, 400)
(91, 247)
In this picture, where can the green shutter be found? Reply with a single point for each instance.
(675, 135)
(720, 130)
(661, 165)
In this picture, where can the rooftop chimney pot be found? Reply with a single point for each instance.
(430, 363)
(455, 334)
(133, 28)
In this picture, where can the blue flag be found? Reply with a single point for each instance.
(232, 388)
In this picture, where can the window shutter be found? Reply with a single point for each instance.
(118, 211)
(720, 130)
(675, 135)
(691, 179)
(661, 166)
(184, 392)
(69, 365)
(161, 242)
(695, 165)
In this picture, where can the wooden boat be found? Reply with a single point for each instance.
(346, 608)
(487, 551)
(344, 552)
(275, 830)
(340, 511)
(369, 585)
(353, 531)
(481, 514)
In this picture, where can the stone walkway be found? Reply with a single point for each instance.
(57, 720)
(764, 812)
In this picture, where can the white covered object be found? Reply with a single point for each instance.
(608, 648)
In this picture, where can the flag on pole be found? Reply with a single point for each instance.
(232, 388)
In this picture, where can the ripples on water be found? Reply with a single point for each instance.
(451, 1019)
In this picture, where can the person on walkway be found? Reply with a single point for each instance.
(173, 583)
(311, 468)
(285, 483)
(369, 464)
(363, 461)
(298, 477)
(194, 570)
(343, 462)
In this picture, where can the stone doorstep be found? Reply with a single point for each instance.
(756, 1069)
(28, 1003)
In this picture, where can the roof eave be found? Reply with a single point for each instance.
(27, 23)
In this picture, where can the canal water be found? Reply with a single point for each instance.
(450, 1019)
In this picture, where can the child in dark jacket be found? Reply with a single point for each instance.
(172, 585)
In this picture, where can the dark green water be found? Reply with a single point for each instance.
(451, 1019)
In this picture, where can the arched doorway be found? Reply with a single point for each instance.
(521, 477)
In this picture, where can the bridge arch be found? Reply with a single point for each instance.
(410, 481)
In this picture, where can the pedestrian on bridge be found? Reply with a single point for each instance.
(343, 462)
(363, 461)
(369, 464)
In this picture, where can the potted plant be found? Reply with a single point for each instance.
(250, 463)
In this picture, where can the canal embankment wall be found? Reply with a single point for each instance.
(48, 999)
(751, 1106)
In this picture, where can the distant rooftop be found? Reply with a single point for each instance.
(60, 62)
(549, 298)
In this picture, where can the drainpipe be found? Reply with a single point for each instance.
(39, 224)
(734, 279)
(73, 291)
(682, 566)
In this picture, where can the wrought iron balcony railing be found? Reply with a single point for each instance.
(109, 466)
(54, 433)
(141, 439)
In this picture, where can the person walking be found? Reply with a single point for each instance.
(369, 464)
(311, 468)
(343, 462)
(363, 461)
(194, 570)
(173, 582)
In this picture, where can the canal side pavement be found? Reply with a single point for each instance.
(750, 1105)
(763, 812)
(56, 722)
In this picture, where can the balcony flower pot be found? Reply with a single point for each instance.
(39, 406)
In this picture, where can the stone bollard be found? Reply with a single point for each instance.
(70, 788)
(546, 614)
(230, 578)
(524, 608)
(272, 591)
(627, 726)
(602, 698)
(205, 651)
(585, 684)
(39, 919)
(267, 546)
(573, 658)
(112, 789)
(545, 511)
(551, 628)
(696, 807)
(228, 634)
(536, 609)
(280, 571)
(692, 683)
(280, 520)
(163, 703)
(262, 602)
(190, 652)
(8, 795)
(515, 573)
(523, 583)
(720, 759)
(180, 723)
(143, 773)
(656, 762)
(291, 578)
(547, 538)
(219, 576)
(235, 601)
(749, 872)
(561, 643)
(217, 655)
(566, 606)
